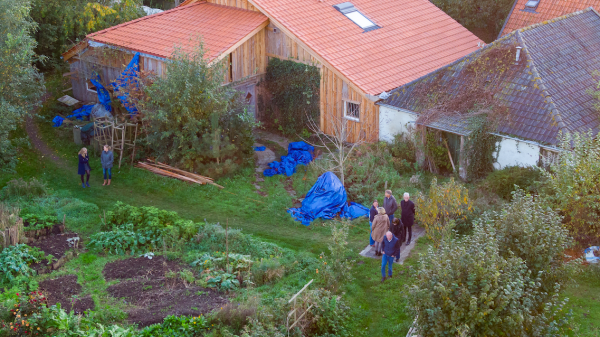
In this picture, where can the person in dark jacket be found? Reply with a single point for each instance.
(390, 205)
(107, 158)
(372, 213)
(408, 216)
(84, 167)
(397, 228)
(389, 246)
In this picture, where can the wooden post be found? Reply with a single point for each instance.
(450, 156)
(64, 218)
(227, 245)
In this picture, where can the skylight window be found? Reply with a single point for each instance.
(532, 4)
(356, 16)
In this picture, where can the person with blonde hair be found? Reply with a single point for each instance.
(107, 158)
(84, 167)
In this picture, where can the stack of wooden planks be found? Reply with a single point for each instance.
(170, 171)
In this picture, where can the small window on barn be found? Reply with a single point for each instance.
(532, 4)
(352, 111)
(90, 87)
(352, 13)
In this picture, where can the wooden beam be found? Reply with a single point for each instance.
(76, 49)
(239, 43)
(305, 46)
(71, 88)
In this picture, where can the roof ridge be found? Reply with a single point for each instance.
(554, 112)
(144, 18)
(559, 18)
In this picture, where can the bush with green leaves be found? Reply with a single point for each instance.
(504, 279)
(367, 169)
(35, 221)
(15, 261)
(267, 271)
(294, 91)
(177, 326)
(502, 182)
(193, 120)
(125, 240)
(573, 184)
(336, 268)
(21, 85)
(19, 189)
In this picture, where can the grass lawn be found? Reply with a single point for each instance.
(378, 309)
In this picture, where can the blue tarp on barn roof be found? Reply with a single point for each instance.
(327, 199)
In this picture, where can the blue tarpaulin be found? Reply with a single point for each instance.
(327, 199)
(298, 153)
(129, 77)
(103, 95)
(260, 148)
(84, 111)
(57, 121)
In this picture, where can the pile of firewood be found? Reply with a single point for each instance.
(170, 171)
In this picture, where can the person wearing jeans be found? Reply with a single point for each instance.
(390, 205)
(106, 158)
(372, 213)
(388, 248)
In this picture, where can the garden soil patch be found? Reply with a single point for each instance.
(64, 290)
(152, 296)
(56, 245)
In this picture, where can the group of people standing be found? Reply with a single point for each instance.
(388, 232)
(106, 159)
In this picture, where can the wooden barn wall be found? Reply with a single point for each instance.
(150, 64)
(235, 3)
(249, 59)
(281, 46)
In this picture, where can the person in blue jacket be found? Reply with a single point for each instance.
(106, 158)
(388, 249)
(84, 167)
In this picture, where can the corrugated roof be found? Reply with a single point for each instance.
(544, 94)
(221, 27)
(415, 38)
(521, 17)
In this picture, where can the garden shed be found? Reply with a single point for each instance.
(536, 76)
(362, 48)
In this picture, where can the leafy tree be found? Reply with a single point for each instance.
(573, 184)
(21, 85)
(192, 120)
(504, 280)
(485, 17)
(63, 22)
(442, 205)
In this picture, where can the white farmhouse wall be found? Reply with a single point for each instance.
(516, 153)
(394, 121)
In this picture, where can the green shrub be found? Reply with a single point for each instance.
(504, 279)
(502, 182)
(18, 189)
(329, 315)
(294, 91)
(125, 240)
(38, 221)
(235, 315)
(336, 268)
(267, 271)
(403, 148)
(177, 326)
(367, 169)
(15, 261)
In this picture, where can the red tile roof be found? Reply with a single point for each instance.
(221, 27)
(415, 38)
(546, 10)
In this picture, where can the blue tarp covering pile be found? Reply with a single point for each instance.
(84, 111)
(298, 153)
(327, 199)
(129, 77)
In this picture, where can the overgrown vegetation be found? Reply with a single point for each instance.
(502, 182)
(15, 261)
(573, 184)
(293, 90)
(191, 120)
(505, 279)
(19, 189)
(481, 146)
(21, 85)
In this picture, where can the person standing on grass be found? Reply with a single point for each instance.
(408, 216)
(397, 228)
(390, 205)
(381, 224)
(389, 246)
(372, 213)
(106, 158)
(84, 167)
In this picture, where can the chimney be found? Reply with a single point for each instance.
(518, 54)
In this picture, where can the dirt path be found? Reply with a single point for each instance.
(38, 143)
